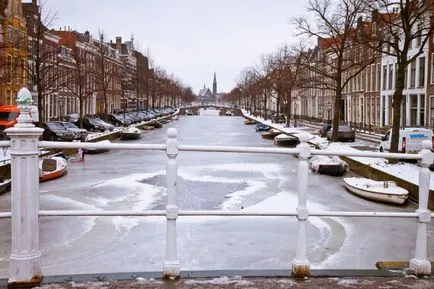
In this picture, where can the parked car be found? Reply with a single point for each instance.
(410, 139)
(324, 129)
(118, 120)
(279, 118)
(80, 133)
(106, 125)
(91, 124)
(54, 131)
(345, 133)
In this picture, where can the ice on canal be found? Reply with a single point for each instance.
(121, 180)
(247, 242)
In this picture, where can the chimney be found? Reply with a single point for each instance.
(118, 43)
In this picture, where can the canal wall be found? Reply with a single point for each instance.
(369, 172)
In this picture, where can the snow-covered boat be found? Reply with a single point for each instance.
(51, 168)
(328, 165)
(262, 127)
(286, 140)
(97, 150)
(271, 134)
(5, 185)
(131, 133)
(382, 191)
(249, 121)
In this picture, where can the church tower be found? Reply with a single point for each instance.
(214, 87)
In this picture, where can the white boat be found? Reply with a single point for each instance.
(286, 140)
(328, 165)
(382, 191)
(51, 168)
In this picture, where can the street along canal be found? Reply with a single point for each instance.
(135, 180)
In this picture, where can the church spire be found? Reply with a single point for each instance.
(214, 86)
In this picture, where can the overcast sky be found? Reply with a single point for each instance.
(191, 39)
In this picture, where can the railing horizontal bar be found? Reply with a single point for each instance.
(367, 154)
(102, 213)
(204, 213)
(238, 149)
(111, 146)
(5, 143)
(5, 214)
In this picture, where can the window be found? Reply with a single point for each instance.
(421, 71)
(9, 68)
(384, 77)
(419, 35)
(390, 77)
(432, 68)
(413, 74)
(10, 35)
(368, 78)
(377, 81)
(406, 78)
(432, 110)
(374, 28)
(422, 109)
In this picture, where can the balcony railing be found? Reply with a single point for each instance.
(25, 257)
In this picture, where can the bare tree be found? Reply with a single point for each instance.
(105, 70)
(340, 58)
(403, 26)
(82, 77)
(44, 66)
(287, 67)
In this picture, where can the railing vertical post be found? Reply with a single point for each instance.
(300, 264)
(420, 265)
(25, 257)
(171, 263)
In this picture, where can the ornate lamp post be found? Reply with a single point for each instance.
(25, 257)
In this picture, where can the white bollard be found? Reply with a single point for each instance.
(25, 257)
(300, 264)
(420, 265)
(171, 267)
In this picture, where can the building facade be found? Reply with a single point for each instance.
(13, 50)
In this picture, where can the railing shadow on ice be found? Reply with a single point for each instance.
(25, 257)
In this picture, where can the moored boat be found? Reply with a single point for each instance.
(51, 168)
(286, 140)
(97, 150)
(5, 185)
(382, 191)
(249, 121)
(328, 165)
(262, 127)
(271, 134)
(156, 124)
(131, 133)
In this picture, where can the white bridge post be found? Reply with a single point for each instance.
(420, 265)
(171, 267)
(300, 264)
(25, 257)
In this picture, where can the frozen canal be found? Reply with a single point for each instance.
(121, 180)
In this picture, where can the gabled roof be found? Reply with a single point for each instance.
(205, 92)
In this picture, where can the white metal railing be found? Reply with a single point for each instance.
(25, 257)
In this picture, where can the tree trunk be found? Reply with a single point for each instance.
(396, 105)
(336, 113)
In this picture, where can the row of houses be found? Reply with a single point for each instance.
(68, 71)
(367, 99)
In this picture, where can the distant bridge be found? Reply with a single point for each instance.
(194, 109)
